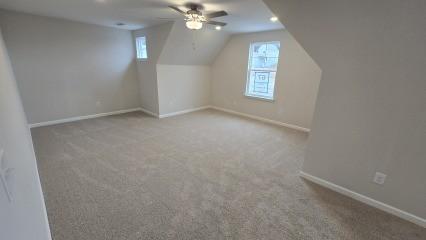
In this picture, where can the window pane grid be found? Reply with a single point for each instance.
(141, 51)
(263, 63)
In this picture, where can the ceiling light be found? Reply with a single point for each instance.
(218, 28)
(274, 19)
(194, 21)
(194, 25)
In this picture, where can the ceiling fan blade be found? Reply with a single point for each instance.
(222, 24)
(177, 9)
(216, 14)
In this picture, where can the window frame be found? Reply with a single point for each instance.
(137, 49)
(249, 70)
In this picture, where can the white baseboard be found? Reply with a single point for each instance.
(369, 201)
(149, 112)
(262, 119)
(183, 112)
(73, 119)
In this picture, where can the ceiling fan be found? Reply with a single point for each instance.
(195, 19)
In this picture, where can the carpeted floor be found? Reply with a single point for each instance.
(204, 175)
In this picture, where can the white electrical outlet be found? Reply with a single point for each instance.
(379, 178)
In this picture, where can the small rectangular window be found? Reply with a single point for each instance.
(141, 51)
(262, 69)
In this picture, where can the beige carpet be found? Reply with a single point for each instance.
(204, 175)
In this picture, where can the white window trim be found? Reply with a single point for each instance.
(261, 98)
(253, 96)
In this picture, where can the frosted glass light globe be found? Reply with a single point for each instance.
(194, 25)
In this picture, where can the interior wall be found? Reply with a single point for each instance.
(156, 38)
(183, 68)
(297, 80)
(183, 87)
(66, 69)
(24, 217)
(370, 114)
(176, 76)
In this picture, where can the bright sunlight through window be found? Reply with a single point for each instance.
(141, 51)
(262, 69)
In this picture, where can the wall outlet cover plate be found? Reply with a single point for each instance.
(379, 178)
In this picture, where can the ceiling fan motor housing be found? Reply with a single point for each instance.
(194, 18)
(194, 12)
(194, 6)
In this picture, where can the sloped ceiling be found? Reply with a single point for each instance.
(370, 113)
(245, 15)
(157, 38)
(188, 47)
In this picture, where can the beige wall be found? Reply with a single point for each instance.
(183, 87)
(67, 69)
(297, 80)
(184, 67)
(156, 38)
(371, 107)
(25, 216)
(176, 76)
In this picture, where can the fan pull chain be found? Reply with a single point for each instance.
(194, 47)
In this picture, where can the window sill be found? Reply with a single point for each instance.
(259, 98)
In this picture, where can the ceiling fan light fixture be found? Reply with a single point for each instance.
(194, 21)
(194, 25)
(194, 18)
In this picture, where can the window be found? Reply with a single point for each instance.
(141, 51)
(262, 69)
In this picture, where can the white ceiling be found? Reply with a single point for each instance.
(245, 15)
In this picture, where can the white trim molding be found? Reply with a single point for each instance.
(73, 119)
(149, 112)
(287, 125)
(362, 198)
(184, 112)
